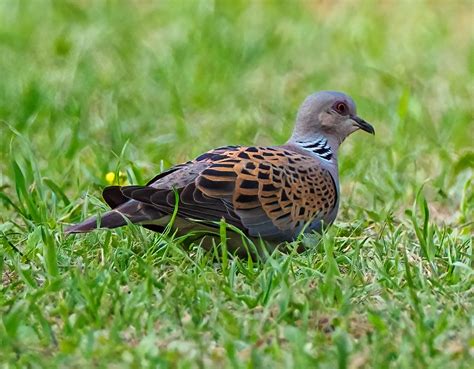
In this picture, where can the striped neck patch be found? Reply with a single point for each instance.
(320, 147)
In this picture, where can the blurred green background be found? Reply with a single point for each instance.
(92, 87)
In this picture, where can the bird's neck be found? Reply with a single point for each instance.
(325, 148)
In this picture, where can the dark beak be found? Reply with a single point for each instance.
(363, 125)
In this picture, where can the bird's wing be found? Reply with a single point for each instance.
(266, 191)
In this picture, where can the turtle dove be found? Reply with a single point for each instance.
(272, 192)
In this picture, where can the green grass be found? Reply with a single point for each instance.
(88, 88)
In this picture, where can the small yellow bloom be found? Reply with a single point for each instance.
(111, 178)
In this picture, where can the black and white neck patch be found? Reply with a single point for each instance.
(320, 147)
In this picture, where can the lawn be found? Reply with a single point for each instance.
(89, 88)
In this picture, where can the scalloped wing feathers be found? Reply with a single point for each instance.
(270, 192)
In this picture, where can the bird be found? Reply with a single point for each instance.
(271, 193)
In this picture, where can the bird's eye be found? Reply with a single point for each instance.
(341, 108)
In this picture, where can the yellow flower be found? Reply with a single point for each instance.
(111, 178)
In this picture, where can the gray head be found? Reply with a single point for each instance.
(329, 114)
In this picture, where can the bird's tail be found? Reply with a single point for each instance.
(130, 212)
(111, 219)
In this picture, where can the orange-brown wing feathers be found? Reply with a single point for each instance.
(277, 187)
(271, 192)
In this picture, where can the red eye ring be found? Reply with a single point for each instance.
(340, 107)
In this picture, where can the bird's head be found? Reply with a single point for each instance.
(329, 114)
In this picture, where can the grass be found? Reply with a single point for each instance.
(89, 88)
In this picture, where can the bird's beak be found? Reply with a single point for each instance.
(363, 125)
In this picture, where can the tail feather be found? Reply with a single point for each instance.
(130, 212)
(111, 219)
